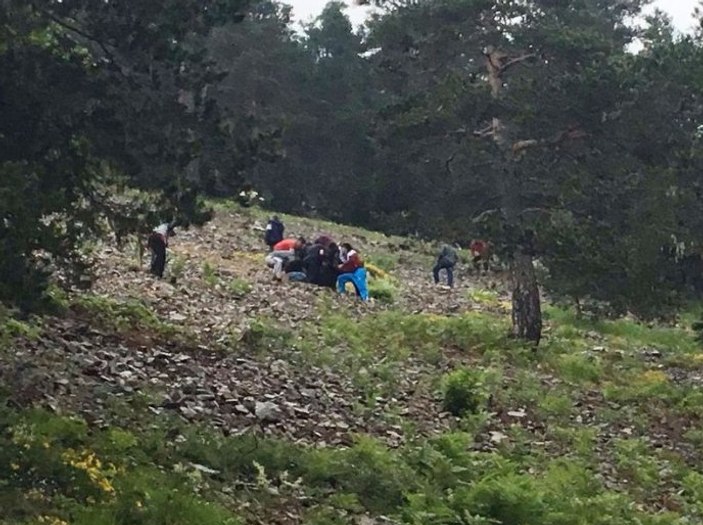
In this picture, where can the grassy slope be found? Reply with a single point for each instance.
(416, 409)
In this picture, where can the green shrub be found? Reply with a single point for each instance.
(384, 261)
(506, 500)
(11, 328)
(239, 287)
(485, 297)
(463, 392)
(579, 368)
(556, 405)
(55, 469)
(176, 268)
(122, 316)
(265, 334)
(369, 470)
(210, 275)
(150, 497)
(383, 290)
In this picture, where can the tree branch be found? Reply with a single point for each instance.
(537, 210)
(478, 218)
(515, 61)
(69, 26)
(448, 164)
(568, 135)
(485, 132)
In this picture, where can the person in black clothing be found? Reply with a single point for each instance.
(274, 232)
(301, 248)
(324, 240)
(157, 243)
(328, 273)
(313, 261)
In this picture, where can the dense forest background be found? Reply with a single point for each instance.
(565, 131)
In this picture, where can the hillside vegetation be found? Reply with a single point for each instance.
(218, 396)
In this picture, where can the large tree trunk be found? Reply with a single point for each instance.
(527, 312)
(526, 308)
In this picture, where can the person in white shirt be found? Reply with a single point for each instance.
(158, 242)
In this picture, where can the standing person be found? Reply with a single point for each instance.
(352, 271)
(274, 232)
(480, 253)
(157, 243)
(446, 260)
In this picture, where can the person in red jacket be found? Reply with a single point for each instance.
(283, 252)
(352, 271)
(481, 253)
(286, 245)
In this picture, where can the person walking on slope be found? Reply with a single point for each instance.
(446, 260)
(274, 232)
(352, 271)
(157, 243)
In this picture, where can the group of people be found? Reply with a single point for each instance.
(322, 262)
(448, 258)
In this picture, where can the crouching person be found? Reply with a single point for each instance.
(157, 244)
(352, 271)
(295, 271)
(283, 252)
(329, 267)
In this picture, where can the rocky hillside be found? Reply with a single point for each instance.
(221, 396)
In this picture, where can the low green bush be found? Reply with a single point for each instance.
(55, 470)
(122, 316)
(383, 290)
(239, 287)
(264, 334)
(464, 392)
(210, 275)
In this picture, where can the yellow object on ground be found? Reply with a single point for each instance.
(376, 272)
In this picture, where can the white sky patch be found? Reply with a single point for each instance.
(680, 10)
(306, 10)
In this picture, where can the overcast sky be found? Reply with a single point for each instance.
(305, 10)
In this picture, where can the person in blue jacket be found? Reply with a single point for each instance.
(352, 271)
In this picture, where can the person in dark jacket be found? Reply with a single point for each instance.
(446, 260)
(324, 240)
(328, 270)
(274, 232)
(312, 262)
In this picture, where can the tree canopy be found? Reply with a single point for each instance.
(564, 131)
